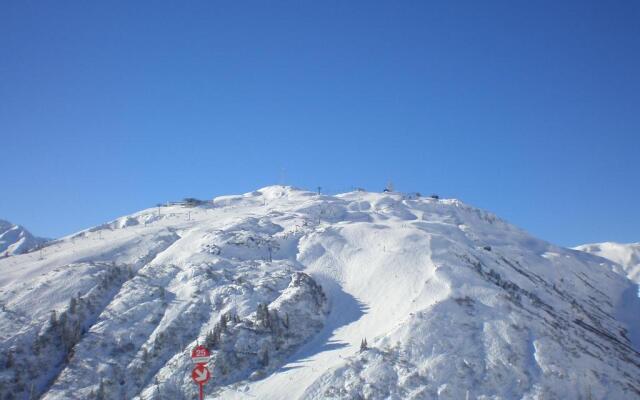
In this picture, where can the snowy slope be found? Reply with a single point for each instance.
(283, 285)
(627, 255)
(15, 239)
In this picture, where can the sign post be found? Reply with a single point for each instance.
(200, 374)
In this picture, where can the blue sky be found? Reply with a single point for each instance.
(528, 109)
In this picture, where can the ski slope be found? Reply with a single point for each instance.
(366, 300)
(452, 301)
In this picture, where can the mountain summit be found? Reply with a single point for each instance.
(306, 296)
(15, 239)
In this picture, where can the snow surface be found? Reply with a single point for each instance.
(454, 303)
(625, 254)
(15, 239)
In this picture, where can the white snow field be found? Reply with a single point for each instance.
(626, 255)
(15, 239)
(284, 284)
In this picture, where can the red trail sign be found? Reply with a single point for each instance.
(200, 355)
(200, 374)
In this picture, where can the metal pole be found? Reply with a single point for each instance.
(201, 392)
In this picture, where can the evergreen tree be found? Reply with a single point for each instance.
(261, 314)
(10, 360)
(101, 394)
(145, 355)
(286, 320)
(62, 321)
(37, 345)
(212, 340)
(264, 359)
(363, 345)
(72, 305)
(274, 324)
(53, 319)
(158, 342)
(223, 322)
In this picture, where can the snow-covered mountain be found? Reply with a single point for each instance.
(284, 285)
(15, 239)
(625, 254)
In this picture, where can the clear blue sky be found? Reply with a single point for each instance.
(528, 109)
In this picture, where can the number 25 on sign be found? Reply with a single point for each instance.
(200, 374)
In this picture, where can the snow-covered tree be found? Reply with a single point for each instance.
(53, 319)
(73, 303)
(363, 345)
(263, 319)
(101, 393)
(264, 358)
(10, 360)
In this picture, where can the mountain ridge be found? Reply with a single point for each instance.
(16, 239)
(452, 300)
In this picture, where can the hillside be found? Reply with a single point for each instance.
(283, 285)
(15, 239)
(626, 255)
